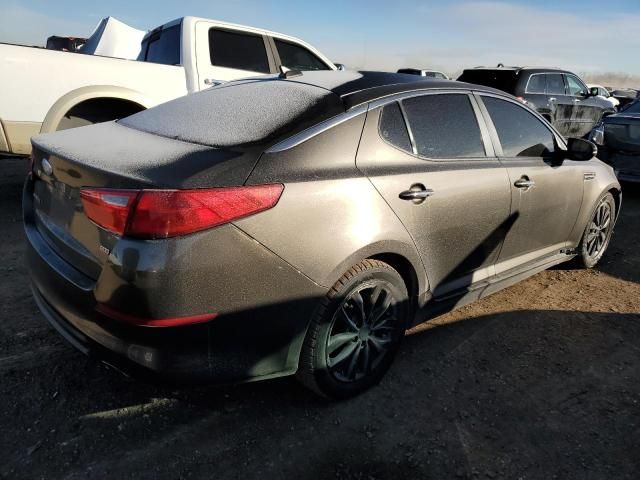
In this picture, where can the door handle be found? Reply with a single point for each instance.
(525, 183)
(575, 100)
(417, 193)
(552, 99)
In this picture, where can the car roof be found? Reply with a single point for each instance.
(355, 88)
(525, 69)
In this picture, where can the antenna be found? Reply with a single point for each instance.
(288, 73)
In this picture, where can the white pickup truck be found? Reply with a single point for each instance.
(46, 90)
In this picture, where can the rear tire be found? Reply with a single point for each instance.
(357, 331)
(597, 235)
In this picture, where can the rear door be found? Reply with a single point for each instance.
(546, 195)
(443, 181)
(225, 54)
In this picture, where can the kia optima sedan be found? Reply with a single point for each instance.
(300, 224)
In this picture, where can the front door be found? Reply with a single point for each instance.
(443, 182)
(582, 110)
(546, 195)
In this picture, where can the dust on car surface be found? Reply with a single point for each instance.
(538, 381)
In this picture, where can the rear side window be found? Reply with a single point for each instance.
(555, 84)
(241, 51)
(392, 127)
(297, 57)
(444, 126)
(162, 47)
(537, 84)
(521, 134)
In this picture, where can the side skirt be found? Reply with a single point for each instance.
(484, 288)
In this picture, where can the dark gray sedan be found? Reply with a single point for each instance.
(300, 224)
(620, 138)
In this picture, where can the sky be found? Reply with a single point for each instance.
(580, 35)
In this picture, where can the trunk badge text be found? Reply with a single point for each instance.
(46, 167)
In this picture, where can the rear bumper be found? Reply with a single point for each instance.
(250, 339)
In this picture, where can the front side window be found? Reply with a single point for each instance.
(555, 84)
(162, 47)
(297, 57)
(521, 134)
(575, 87)
(392, 127)
(537, 84)
(444, 126)
(242, 51)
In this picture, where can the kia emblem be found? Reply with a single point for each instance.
(46, 167)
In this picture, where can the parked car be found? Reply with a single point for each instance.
(180, 57)
(625, 96)
(326, 214)
(424, 73)
(619, 139)
(66, 44)
(604, 93)
(558, 95)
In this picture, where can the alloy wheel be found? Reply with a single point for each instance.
(599, 231)
(362, 332)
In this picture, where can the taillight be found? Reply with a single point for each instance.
(108, 208)
(153, 214)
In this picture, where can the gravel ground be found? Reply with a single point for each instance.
(541, 380)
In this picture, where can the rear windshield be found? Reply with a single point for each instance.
(162, 46)
(504, 80)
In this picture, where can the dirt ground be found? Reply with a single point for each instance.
(539, 381)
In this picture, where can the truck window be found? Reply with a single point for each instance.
(242, 51)
(297, 57)
(162, 46)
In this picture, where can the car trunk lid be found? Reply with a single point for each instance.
(113, 156)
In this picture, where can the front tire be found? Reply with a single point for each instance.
(357, 331)
(597, 235)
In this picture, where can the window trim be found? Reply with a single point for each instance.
(484, 132)
(267, 48)
(526, 88)
(497, 145)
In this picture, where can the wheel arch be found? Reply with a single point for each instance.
(75, 98)
(402, 257)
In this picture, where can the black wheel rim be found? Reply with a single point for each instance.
(362, 332)
(599, 231)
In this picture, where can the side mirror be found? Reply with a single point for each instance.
(340, 66)
(580, 149)
(593, 91)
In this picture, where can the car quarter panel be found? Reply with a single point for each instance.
(329, 216)
(262, 303)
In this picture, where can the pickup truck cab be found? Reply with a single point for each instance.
(46, 90)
